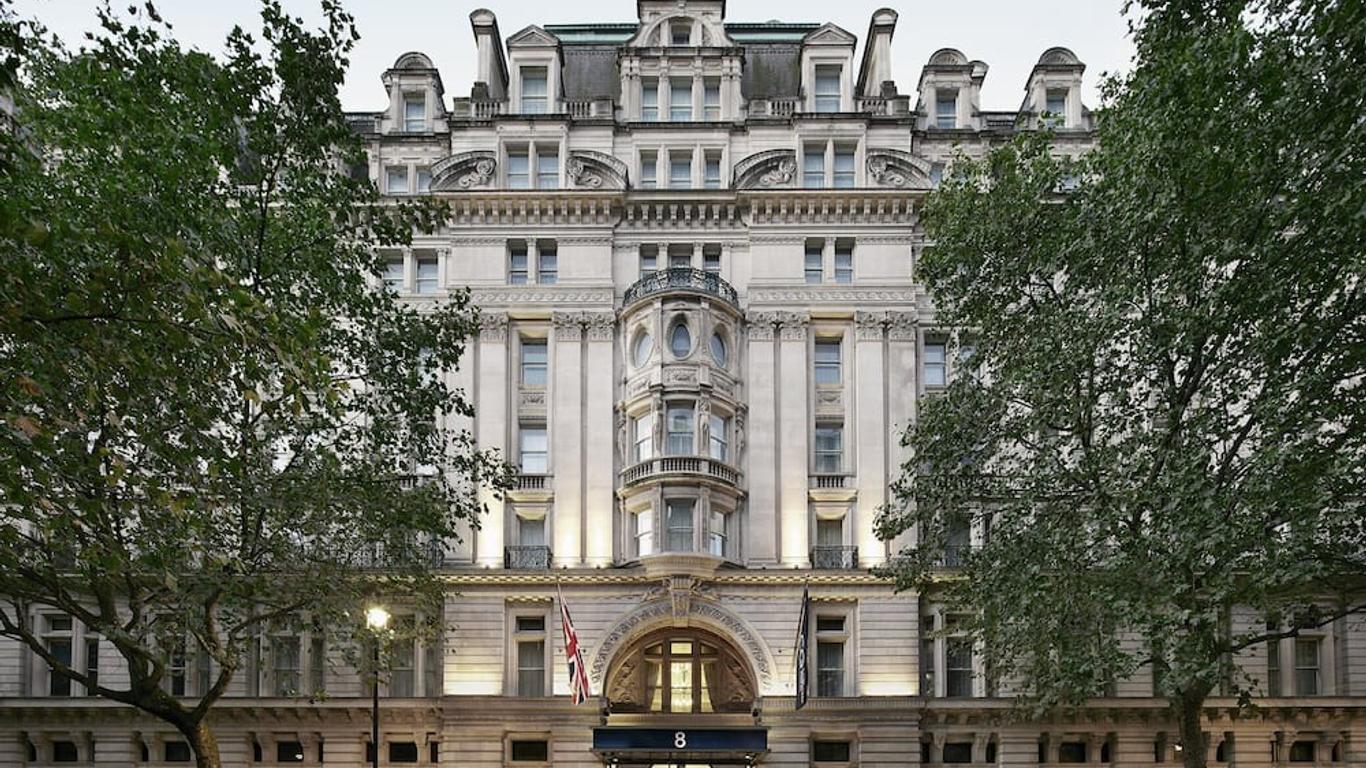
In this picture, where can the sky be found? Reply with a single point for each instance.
(1008, 35)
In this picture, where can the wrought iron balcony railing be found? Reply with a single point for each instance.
(681, 279)
(834, 558)
(527, 558)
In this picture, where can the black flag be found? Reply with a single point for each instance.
(801, 650)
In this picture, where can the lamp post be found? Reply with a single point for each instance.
(377, 619)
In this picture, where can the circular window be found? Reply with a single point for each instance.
(640, 351)
(718, 349)
(680, 341)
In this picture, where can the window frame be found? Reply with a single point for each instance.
(824, 100)
(827, 461)
(526, 432)
(649, 99)
(529, 371)
(535, 104)
(429, 284)
(844, 260)
(941, 365)
(844, 636)
(392, 173)
(827, 372)
(413, 124)
(680, 112)
(517, 637)
(946, 119)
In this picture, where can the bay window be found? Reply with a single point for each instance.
(678, 525)
(678, 424)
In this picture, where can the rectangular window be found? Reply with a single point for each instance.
(547, 262)
(396, 179)
(424, 180)
(649, 99)
(649, 170)
(1072, 752)
(649, 260)
(531, 447)
(289, 752)
(829, 668)
(547, 169)
(530, 632)
(828, 361)
(414, 113)
(58, 639)
(643, 532)
(393, 272)
(317, 666)
(830, 752)
(828, 88)
(933, 365)
(533, 362)
(678, 424)
(958, 667)
(427, 280)
(829, 449)
(718, 542)
(844, 261)
(518, 270)
(680, 256)
(813, 268)
(946, 109)
(519, 169)
(645, 437)
(711, 98)
(285, 664)
(936, 174)
(530, 531)
(830, 533)
(1273, 667)
(65, 752)
(719, 448)
(177, 670)
(530, 751)
(402, 670)
(403, 751)
(711, 258)
(92, 664)
(680, 170)
(844, 167)
(1055, 106)
(678, 525)
(535, 90)
(712, 171)
(680, 34)
(958, 752)
(813, 166)
(1307, 666)
(680, 100)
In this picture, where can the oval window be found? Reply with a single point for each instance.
(644, 345)
(680, 341)
(718, 349)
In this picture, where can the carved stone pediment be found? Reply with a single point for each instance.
(465, 170)
(595, 170)
(898, 169)
(771, 169)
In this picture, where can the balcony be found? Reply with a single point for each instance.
(696, 466)
(681, 280)
(428, 554)
(527, 558)
(531, 482)
(829, 480)
(834, 558)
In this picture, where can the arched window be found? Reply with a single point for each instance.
(681, 671)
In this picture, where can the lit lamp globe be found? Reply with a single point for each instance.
(376, 618)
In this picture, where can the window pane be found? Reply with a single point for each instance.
(531, 532)
(547, 262)
(424, 180)
(720, 440)
(828, 88)
(718, 349)
(827, 362)
(830, 533)
(531, 668)
(533, 363)
(397, 181)
(393, 274)
(678, 440)
(679, 526)
(643, 532)
(813, 165)
(649, 260)
(533, 449)
(534, 90)
(829, 669)
(844, 263)
(680, 171)
(426, 274)
(946, 109)
(712, 175)
(844, 167)
(61, 651)
(680, 340)
(680, 100)
(519, 170)
(711, 98)
(829, 449)
(648, 170)
(935, 373)
(649, 100)
(414, 114)
(547, 169)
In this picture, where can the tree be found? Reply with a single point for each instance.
(213, 418)
(1162, 422)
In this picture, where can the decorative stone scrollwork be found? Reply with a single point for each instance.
(493, 326)
(901, 326)
(868, 325)
(894, 168)
(792, 325)
(599, 326)
(587, 169)
(464, 170)
(769, 169)
(761, 325)
(568, 325)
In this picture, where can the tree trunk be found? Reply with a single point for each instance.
(1190, 710)
(204, 744)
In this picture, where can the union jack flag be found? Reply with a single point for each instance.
(578, 673)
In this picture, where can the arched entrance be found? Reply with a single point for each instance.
(681, 671)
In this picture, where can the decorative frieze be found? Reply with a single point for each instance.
(831, 294)
(896, 168)
(540, 294)
(587, 169)
(766, 170)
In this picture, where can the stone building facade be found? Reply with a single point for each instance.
(693, 242)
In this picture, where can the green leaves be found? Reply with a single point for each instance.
(1168, 427)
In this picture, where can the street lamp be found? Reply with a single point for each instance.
(377, 619)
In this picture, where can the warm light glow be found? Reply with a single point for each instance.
(376, 617)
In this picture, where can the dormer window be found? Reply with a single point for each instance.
(946, 109)
(828, 87)
(535, 90)
(414, 113)
(1055, 106)
(680, 33)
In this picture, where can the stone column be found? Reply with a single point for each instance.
(794, 426)
(491, 428)
(566, 433)
(600, 473)
(902, 384)
(867, 414)
(760, 443)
